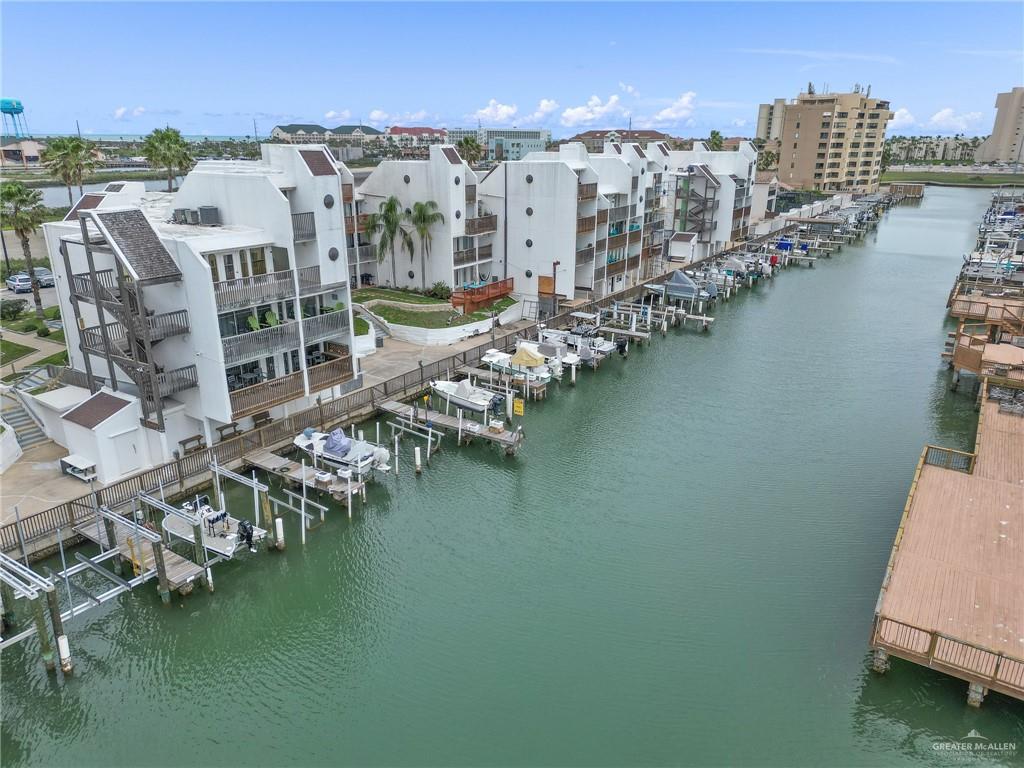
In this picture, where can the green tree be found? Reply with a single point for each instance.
(23, 212)
(423, 217)
(388, 225)
(470, 150)
(886, 159)
(69, 159)
(715, 142)
(766, 160)
(165, 148)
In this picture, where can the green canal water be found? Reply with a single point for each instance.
(680, 568)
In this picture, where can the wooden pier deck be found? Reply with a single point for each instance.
(338, 487)
(181, 572)
(951, 597)
(498, 381)
(507, 440)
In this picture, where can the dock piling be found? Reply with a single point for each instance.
(416, 453)
(46, 647)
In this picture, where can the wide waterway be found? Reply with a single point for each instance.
(680, 567)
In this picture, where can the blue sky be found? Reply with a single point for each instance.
(684, 68)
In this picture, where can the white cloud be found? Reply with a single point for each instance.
(678, 110)
(631, 90)
(138, 111)
(593, 111)
(378, 116)
(739, 122)
(416, 117)
(544, 108)
(949, 120)
(902, 119)
(332, 114)
(878, 58)
(120, 112)
(496, 113)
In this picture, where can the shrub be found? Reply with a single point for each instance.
(440, 290)
(27, 326)
(43, 331)
(11, 308)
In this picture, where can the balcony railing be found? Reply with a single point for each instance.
(258, 289)
(261, 343)
(617, 241)
(470, 194)
(585, 255)
(586, 224)
(325, 326)
(329, 374)
(484, 252)
(464, 257)
(471, 299)
(632, 262)
(347, 193)
(303, 226)
(178, 380)
(360, 254)
(602, 216)
(482, 225)
(310, 281)
(258, 397)
(586, 191)
(616, 268)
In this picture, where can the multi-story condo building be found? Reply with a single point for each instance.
(224, 301)
(504, 143)
(831, 141)
(1007, 139)
(574, 224)
(460, 248)
(413, 141)
(769, 120)
(595, 140)
(713, 195)
(911, 149)
(310, 133)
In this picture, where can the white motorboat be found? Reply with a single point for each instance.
(359, 457)
(556, 354)
(464, 395)
(522, 365)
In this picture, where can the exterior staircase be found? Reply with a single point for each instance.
(24, 426)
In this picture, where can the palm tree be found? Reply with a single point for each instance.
(470, 150)
(766, 160)
(388, 224)
(423, 217)
(165, 148)
(23, 211)
(69, 158)
(715, 142)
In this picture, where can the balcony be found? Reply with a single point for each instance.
(347, 193)
(258, 397)
(470, 194)
(303, 227)
(261, 343)
(484, 252)
(258, 289)
(617, 241)
(356, 223)
(482, 225)
(361, 254)
(325, 327)
(602, 216)
(585, 255)
(586, 191)
(464, 257)
(310, 281)
(177, 380)
(586, 224)
(615, 268)
(632, 262)
(472, 299)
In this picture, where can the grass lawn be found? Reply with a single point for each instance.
(985, 179)
(406, 297)
(58, 358)
(56, 336)
(361, 326)
(10, 351)
(444, 319)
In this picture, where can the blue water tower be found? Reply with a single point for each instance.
(14, 118)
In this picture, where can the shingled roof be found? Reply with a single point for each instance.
(318, 162)
(96, 410)
(134, 240)
(85, 202)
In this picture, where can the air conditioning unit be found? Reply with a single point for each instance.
(179, 215)
(192, 216)
(209, 215)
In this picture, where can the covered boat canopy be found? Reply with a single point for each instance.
(524, 356)
(679, 286)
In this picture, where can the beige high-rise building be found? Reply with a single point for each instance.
(830, 141)
(1004, 145)
(769, 120)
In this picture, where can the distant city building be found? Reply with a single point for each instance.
(309, 133)
(22, 152)
(769, 120)
(913, 149)
(413, 142)
(1005, 143)
(504, 143)
(829, 141)
(594, 140)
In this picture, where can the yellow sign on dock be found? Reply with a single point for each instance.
(518, 406)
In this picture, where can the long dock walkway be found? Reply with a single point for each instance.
(510, 441)
(950, 599)
(339, 488)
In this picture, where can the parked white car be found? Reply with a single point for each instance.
(19, 283)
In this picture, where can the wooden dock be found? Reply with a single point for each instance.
(951, 597)
(181, 572)
(499, 381)
(339, 488)
(509, 441)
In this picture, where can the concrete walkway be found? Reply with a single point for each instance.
(35, 483)
(43, 347)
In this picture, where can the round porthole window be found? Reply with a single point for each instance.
(529, 243)
(529, 273)
(458, 214)
(529, 178)
(406, 179)
(643, 171)
(457, 181)
(333, 254)
(411, 274)
(328, 201)
(408, 211)
(529, 211)
(641, 198)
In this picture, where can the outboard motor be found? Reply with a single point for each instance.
(620, 346)
(245, 534)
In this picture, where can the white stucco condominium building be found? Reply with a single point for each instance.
(221, 303)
